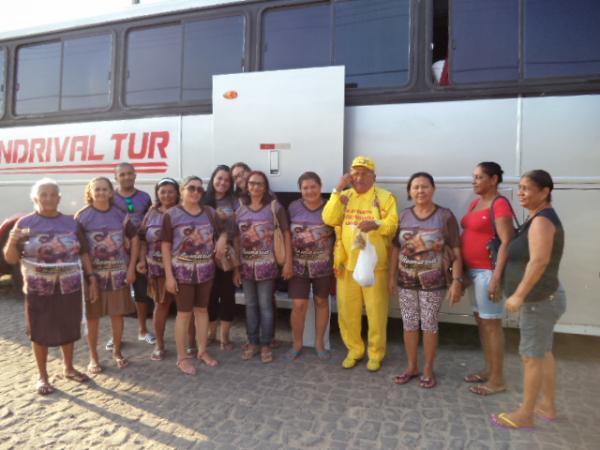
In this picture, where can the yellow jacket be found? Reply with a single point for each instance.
(349, 208)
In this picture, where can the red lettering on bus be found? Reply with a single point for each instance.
(24, 144)
(61, 150)
(141, 154)
(159, 140)
(6, 151)
(38, 146)
(118, 138)
(91, 149)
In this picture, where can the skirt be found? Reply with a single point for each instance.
(53, 320)
(111, 303)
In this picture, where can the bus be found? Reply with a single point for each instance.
(290, 85)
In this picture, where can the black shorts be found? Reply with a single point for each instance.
(299, 288)
(140, 289)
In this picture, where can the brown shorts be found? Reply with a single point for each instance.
(299, 288)
(158, 292)
(111, 303)
(192, 296)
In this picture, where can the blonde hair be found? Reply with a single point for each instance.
(88, 198)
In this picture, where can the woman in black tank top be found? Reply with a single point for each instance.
(532, 287)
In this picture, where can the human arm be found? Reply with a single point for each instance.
(505, 231)
(287, 271)
(141, 265)
(393, 270)
(333, 212)
(388, 224)
(541, 240)
(12, 253)
(166, 247)
(133, 258)
(90, 276)
(455, 290)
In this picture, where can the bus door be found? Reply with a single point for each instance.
(282, 122)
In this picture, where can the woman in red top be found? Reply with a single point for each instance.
(488, 305)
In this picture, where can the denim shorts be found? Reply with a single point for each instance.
(481, 300)
(537, 324)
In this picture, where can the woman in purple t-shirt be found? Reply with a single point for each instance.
(188, 238)
(150, 262)
(259, 269)
(312, 246)
(106, 227)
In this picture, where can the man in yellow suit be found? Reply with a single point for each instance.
(371, 210)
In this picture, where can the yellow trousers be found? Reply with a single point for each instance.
(350, 298)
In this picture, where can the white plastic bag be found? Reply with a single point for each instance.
(364, 271)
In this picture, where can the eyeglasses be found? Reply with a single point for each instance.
(193, 189)
(256, 183)
(130, 205)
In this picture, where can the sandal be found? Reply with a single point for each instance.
(324, 355)
(266, 355)
(77, 376)
(291, 355)
(405, 377)
(275, 344)
(187, 369)
(227, 346)
(121, 361)
(94, 368)
(148, 338)
(484, 390)
(502, 421)
(475, 378)
(158, 355)
(250, 352)
(43, 387)
(207, 359)
(427, 382)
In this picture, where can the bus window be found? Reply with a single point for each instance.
(38, 78)
(297, 37)
(210, 47)
(154, 65)
(372, 41)
(2, 85)
(484, 40)
(86, 73)
(561, 38)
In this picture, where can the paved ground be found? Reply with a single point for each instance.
(306, 404)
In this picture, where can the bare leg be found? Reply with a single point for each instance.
(532, 383)
(67, 351)
(494, 349)
(546, 405)
(117, 332)
(191, 334)
(297, 319)
(411, 345)
(92, 338)
(161, 313)
(41, 357)
(225, 330)
(321, 321)
(201, 319)
(430, 344)
(181, 333)
(142, 312)
(212, 331)
(485, 372)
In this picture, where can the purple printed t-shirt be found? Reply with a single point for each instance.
(312, 241)
(256, 231)
(135, 207)
(421, 243)
(50, 255)
(105, 232)
(193, 244)
(149, 232)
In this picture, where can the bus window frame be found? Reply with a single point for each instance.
(107, 30)
(181, 19)
(4, 69)
(350, 93)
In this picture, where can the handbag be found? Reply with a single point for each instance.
(494, 243)
(278, 240)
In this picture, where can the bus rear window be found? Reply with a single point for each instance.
(562, 38)
(73, 74)
(369, 37)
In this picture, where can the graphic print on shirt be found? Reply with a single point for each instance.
(49, 257)
(312, 246)
(193, 248)
(108, 258)
(420, 263)
(256, 239)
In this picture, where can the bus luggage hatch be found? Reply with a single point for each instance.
(282, 122)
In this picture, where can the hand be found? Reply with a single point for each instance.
(494, 291)
(237, 277)
(18, 234)
(287, 271)
(368, 225)
(393, 287)
(131, 275)
(141, 267)
(514, 303)
(221, 247)
(171, 285)
(346, 180)
(94, 290)
(127, 244)
(455, 292)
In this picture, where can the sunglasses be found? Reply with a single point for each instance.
(130, 205)
(193, 189)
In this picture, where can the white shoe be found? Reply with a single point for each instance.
(110, 345)
(148, 338)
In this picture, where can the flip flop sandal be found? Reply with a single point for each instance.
(502, 421)
(148, 338)
(44, 388)
(77, 376)
(544, 417)
(249, 352)
(475, 378)
(207, 359)
(227, 346)
(484, 390)
(291, 355)
(325, 355)
(94, 368)
(427, 382)
(158, 355)
(266, 356)
(121, 361)
(405, 377)
(186, 369)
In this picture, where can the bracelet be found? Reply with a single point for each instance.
(459, 279)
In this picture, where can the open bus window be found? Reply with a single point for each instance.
(484, 41)
(439, 43)
(154, 65)
(561, 38)
(211, 47)
(86, 73)
(370, 37)
(76, 75)
(38, 78)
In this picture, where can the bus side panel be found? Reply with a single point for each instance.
(445, 139)
(198, 155)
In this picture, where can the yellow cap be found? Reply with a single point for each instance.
(364, 161)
